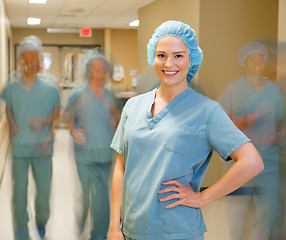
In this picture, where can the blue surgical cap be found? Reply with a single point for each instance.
(91, 56)
(30, 43)
(187, 34)
(249, 48)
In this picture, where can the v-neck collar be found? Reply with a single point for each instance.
(152, 121)
(257, 94)
(94, 93)
(25, 84)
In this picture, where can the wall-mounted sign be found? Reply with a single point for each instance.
(85, 32)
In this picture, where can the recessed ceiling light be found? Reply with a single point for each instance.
(134, 23)
(33, 21)
(63, 30)
(38, 1)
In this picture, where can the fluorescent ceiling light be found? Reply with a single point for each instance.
(33, 21)
(134, 23)
(38, 1)
(62, 30)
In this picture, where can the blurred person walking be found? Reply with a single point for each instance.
(32, 106)
(255, 105)
(93, 115)
(281, 140)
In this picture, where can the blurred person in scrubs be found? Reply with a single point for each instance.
(32, 106)
(281, 140)
(165, 140)
(255, 105)
(93, 114)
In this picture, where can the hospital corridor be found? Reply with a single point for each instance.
(142, 120)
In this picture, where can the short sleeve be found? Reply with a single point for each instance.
(118, 140)
(5, 96)
(223, 136)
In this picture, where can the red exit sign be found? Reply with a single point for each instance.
(85, 32)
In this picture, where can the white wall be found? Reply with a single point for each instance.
(4, 31)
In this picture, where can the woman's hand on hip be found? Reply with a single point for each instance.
(184, 195)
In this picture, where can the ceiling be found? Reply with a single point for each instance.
(75, 13)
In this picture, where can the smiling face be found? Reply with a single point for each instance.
(172, 61)
(255, 63)
(31, 60)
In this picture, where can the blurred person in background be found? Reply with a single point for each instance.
(32, 106)
(255, 105)
(93, 114)
(281, 81)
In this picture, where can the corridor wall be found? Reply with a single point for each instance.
(5, 36)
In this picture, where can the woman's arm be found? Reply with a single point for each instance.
(13, 127)
(78, 134)
(117, 186)
(248, 164)
(38, 123)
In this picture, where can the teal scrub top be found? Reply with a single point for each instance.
(27, 103)
(93, 116)
(175, 144)
(240, 98)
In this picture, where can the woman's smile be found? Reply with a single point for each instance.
(169, 73)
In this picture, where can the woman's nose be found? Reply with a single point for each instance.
(168, 62)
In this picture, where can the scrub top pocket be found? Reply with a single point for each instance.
(182, 141)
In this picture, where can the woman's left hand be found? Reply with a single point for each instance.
(185, 195)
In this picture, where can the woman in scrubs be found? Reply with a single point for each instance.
(93, 114)
(165, 140)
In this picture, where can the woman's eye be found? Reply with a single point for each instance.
(160, 55)
(178, 56)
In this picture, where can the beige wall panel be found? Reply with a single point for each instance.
(226, 25)
(123, 45)
(282, 21)
(281, 61)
